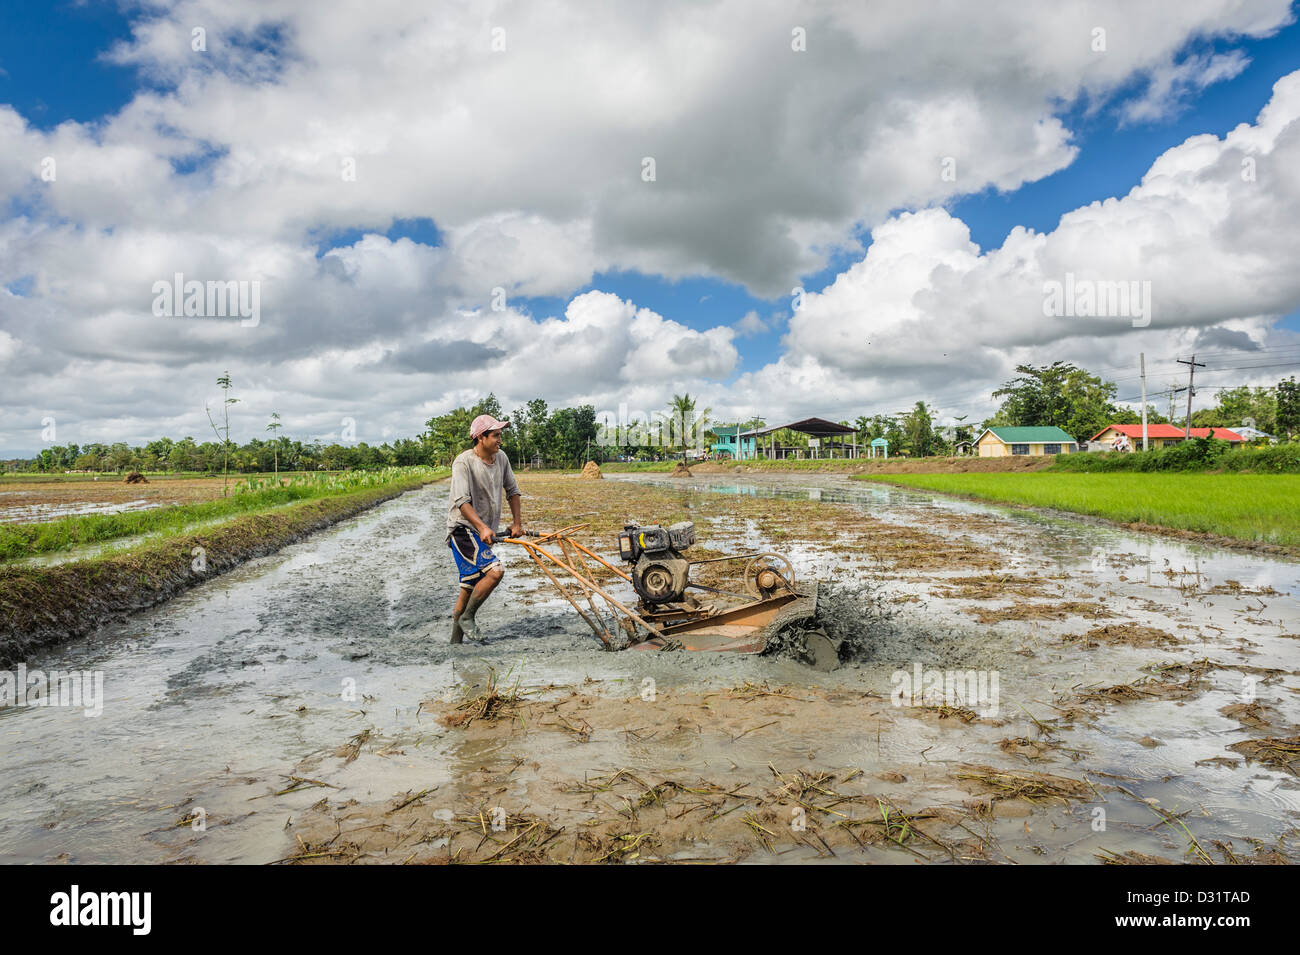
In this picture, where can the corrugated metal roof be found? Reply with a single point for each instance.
(813, 426)
(1168, 431)
(1051, 435)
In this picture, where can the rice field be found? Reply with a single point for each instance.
(1259, 508)
(51, 518)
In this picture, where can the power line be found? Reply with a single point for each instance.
(971, 401)
(1294, 362)
(1235, 352)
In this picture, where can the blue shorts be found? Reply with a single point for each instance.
(473, 557)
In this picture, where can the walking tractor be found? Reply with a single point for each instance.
(667, 610)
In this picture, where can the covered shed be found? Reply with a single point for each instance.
(822, 435)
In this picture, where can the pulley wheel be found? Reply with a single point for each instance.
(654, 583)
(768, 574)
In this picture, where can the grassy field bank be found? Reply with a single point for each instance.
(41, 605)
(198, 501)
(1253, 508)
(1199, 454)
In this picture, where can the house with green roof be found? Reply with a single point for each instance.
(999, 442)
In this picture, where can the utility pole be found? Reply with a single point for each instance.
(740, 445)
(1191, 373)
(1174, 389)
(1142, 360)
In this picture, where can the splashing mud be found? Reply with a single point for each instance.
(857, 618)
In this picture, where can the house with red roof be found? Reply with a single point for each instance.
(1158, 435)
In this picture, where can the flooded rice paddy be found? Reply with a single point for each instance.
(1029, 689)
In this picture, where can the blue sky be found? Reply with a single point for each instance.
(52, 54)
(1113, 156)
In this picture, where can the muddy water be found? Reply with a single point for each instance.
(26, 513)
(218, 699)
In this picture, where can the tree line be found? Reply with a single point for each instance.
(537, 435)
(559, 437)
(187, 455)
(1081, 404)
(1059, 394)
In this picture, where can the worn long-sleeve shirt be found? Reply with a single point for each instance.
(482, 486)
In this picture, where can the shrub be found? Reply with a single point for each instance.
(1198, 454)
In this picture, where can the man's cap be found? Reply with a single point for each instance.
(484, 423)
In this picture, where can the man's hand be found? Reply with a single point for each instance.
(517, 529)
(486, 534)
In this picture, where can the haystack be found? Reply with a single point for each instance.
(591, 472)
(135, 477)
(681, 470)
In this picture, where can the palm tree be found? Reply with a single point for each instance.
(223, 434)
(273, 427)
(682, 414)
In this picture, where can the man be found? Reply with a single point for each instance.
(479, 475)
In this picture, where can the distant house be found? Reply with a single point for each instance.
(731, 443)
(1254, 434)
(1000, 442)
(1158, 435)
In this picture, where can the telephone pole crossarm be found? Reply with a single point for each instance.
(1192, 365)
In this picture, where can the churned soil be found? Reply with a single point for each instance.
(714, 810)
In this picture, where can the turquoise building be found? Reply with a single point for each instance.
(731, 444)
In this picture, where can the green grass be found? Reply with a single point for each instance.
(27, 540)
(1199, 454)
(1247, 507)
